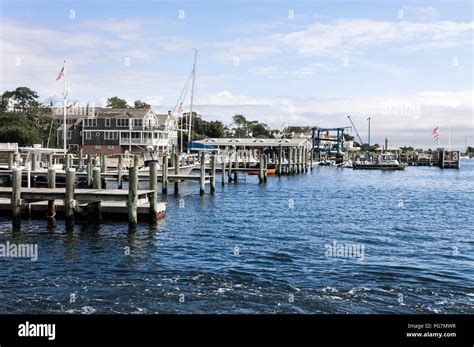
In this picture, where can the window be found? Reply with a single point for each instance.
(88, 135)
(69, 135)
(166, 136)
(90, 122)
(111, 147)
(107, 122)
(97, 146)
(121, 122)
(138, 122)
(111, 135)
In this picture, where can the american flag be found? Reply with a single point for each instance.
(61, 74)
(435, 133)
(180, 109)
(72, 105)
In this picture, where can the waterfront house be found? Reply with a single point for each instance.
(116, 131)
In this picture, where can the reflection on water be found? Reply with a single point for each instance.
(263, 249)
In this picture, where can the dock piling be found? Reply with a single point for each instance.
(96, 180)
(120, 172)
(16, 192)
(67, 162)
(260, 168)
(213, 174)
(176, 171)
(223, 170)
(69, 197)
(164, 178)
(51, 184)
(153, 186)
(280, 160)
(202, 177)
(133, 193)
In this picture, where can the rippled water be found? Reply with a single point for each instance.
(262, 249)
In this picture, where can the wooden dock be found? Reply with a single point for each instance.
(95, 199)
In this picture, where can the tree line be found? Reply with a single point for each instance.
(26, 121)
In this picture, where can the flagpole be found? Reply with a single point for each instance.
(64, 109)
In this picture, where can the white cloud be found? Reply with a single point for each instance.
(354, 34)
(398, 117)
(227, 98)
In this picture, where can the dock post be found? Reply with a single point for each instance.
(311, 159)
(176, 171)
(120, 172)
(223, 170)
(260, 168)
(81, 157)
(202, 177)
(89, 171)
(265, 168)
(290, 164)
(172, 156)
(164, 177)
(213, 174)
(69, 198)
(51, 184)
(297, 160)
(153, 186)
(103, 163)
(67, 162)
(305, 160)
(17, 159)
(34, 162)
(133, 193)
(280, 160)
(294, 160)
(230, 168)
(10, 161)
(16, 192)
(50, 159)
(236, 165)
(96, 180)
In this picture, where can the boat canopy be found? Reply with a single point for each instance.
(196, 146)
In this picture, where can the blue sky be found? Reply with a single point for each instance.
(408, 64)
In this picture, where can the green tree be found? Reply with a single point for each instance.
(260, 130)
(22, 99)
(140, 104)
(18, 127)
(116, 102)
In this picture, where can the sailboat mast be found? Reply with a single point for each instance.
(192, 100)
(64, 109)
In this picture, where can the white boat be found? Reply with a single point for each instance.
(386, 161)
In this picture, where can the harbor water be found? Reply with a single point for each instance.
(333, 241)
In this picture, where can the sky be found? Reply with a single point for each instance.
(406, 64)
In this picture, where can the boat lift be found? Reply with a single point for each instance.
(316, 140)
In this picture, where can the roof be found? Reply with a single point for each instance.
(121, 112)
(163, 117)
(61, 127)
(252, 142)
